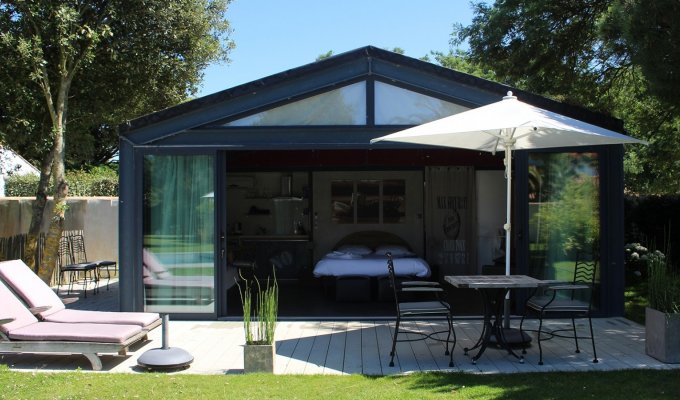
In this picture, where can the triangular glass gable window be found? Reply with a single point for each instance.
(397, 106)
(344, 106)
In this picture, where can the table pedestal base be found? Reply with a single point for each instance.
(513, 337)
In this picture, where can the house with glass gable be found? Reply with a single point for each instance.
(267, 178)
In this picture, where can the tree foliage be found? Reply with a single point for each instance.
(73, 69)
(151, 57)
(592, 53)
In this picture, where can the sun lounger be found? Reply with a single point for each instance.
(35, 293)
(162, 287)
(22, 332)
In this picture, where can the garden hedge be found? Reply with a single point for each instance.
(97, 182)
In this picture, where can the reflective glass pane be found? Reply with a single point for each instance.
(344, 106)
(394, 201)
(178, 264)
(342, 202)
(564, 213)
(397, 106)
(368, 202)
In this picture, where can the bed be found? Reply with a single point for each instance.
(358, 264)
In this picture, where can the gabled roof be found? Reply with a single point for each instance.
(363, 63)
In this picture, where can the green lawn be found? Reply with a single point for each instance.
(636, 384)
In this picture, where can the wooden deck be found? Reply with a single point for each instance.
(358, 347)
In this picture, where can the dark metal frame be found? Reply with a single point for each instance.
(419, 310)
(550, 306)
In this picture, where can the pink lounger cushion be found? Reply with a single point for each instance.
(103, 317)
(50, 331)
(29, 286)
(36, 293)
(11, 307)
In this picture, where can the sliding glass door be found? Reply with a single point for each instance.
(179, 242)
(564, 213)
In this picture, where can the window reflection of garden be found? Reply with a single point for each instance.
(178, 228)
(564, 220)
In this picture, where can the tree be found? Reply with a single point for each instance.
(89, 65)
(650, 32)
(571, 52)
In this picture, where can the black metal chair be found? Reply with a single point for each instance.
(74, 270)
(419, 309)
(80, 256)
(565, 300)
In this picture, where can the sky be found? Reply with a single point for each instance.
(273, 36)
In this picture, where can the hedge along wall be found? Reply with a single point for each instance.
(101, 182)
(654, 221)
(97, 217)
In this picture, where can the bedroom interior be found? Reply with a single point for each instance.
(323, 229)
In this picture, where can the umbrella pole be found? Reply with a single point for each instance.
(508, 175)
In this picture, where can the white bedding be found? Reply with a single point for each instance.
(335, 264)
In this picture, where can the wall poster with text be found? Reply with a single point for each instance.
(451, 222)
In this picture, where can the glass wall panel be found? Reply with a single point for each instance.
(394, 201)
(368, 202)
(342, 202)
(564, 213)
(179, 209)
(397, 106)
(344, 106)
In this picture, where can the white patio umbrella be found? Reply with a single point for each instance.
(508, 125)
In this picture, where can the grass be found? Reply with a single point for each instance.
(636, 384)
(635, 302)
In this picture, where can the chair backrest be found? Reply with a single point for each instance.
(585, 271)
(78, 248)
(64, 252)
(393, 280)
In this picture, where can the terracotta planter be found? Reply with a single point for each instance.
(258, 358)
(662, 339)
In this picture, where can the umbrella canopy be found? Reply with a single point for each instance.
(508, 125)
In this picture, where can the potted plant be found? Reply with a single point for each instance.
(662, 317)
(259, 327)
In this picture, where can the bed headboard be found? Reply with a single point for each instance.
(372, 239)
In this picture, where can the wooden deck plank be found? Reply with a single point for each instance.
(352, 362)
(335, 356)
(370, 354)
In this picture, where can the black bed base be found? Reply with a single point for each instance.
(359, 288)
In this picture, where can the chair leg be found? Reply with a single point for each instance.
(449, 319)
(592, 338)
(521, 334)
(394, 342)
(540, 348)
(573, 326)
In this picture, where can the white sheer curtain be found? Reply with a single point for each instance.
(179, 233)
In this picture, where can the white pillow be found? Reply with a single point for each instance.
(396, 250)
(358, 249)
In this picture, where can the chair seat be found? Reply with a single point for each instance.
(567, 305)
(423, 307)
(86, 266)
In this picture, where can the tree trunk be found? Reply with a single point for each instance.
(31, 249)
(51, 250)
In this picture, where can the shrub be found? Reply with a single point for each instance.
(100, 181)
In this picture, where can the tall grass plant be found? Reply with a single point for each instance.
(259, 327)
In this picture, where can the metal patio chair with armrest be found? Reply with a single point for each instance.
(75, 270)
(80, 256)
(431, 307)
(571, 300)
